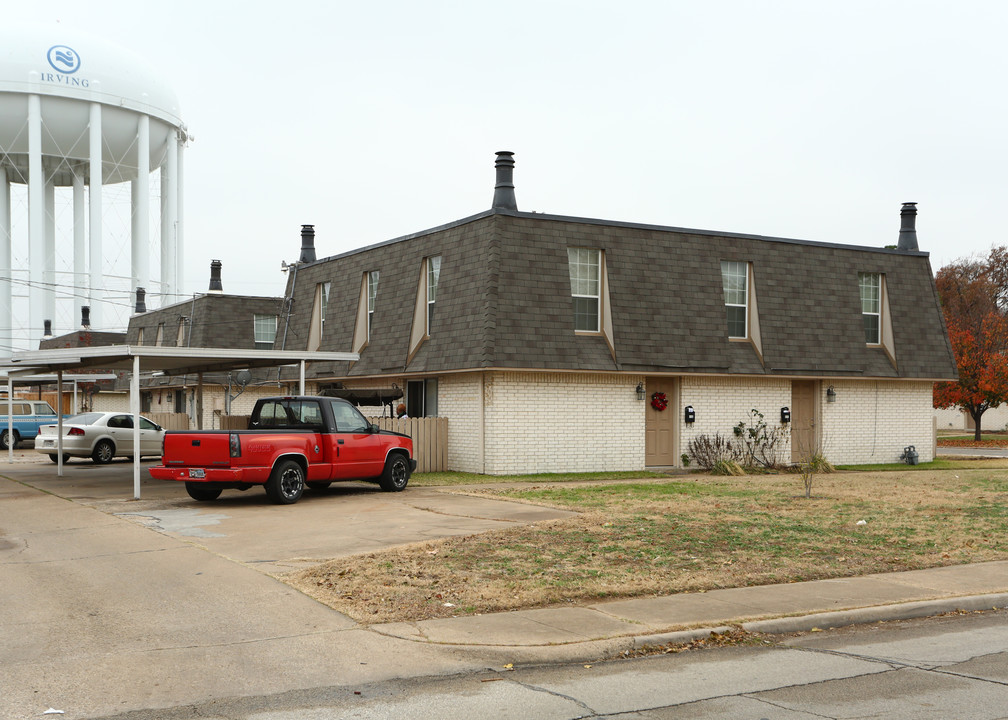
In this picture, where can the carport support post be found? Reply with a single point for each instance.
(59, 423)
(10, 418)
(301, 386)
(135, 409)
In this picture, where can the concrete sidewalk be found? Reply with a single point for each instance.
(791, 607)
(104, 613)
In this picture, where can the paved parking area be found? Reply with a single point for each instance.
(345, 519)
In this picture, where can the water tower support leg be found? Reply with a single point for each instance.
(96, 281)
(36, 223)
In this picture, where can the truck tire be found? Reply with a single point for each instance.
(396, 473)
(203, 491)
(5, 437)
(103, 452)
(286, 483)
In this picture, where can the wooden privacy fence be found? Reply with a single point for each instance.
(430, 439)
(430, 436)
(169, 421)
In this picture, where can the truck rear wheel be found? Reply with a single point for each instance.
(203, 491)
(396, 473)
(286, 483)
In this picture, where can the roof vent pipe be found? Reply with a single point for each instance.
(215, 279)
(47, 328)
(85, 317)
(908, 227)
(141, 306)
(504, 194)
(307, 244)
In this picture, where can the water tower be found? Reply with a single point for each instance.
(80, 115)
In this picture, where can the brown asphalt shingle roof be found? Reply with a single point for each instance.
(504, 302)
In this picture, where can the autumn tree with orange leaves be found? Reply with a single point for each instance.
(974, 298)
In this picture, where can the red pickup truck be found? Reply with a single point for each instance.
(291, 442)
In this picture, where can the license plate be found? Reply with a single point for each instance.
(48, 443)
(197, 473)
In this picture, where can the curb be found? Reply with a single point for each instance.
(878, 613)
(609, 648)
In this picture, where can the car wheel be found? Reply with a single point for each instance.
(5, 439)
(396, 473)
(319, 485)
(55, 458)
(203, 491)
(103, 452)
(286, 483)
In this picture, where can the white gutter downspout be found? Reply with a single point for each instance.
(10, 419)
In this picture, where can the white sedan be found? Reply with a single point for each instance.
(100, 436)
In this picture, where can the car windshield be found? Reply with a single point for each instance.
(83, 419)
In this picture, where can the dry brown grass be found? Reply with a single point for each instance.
(657, 537)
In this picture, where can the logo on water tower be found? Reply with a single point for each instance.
(63, 59)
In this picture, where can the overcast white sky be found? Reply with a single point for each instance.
(799, 119)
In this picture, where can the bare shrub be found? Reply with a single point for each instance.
(709, 450)
(760, 445)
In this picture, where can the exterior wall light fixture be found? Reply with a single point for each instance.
(830, 394)
(640, 391)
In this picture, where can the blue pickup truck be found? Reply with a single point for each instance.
(27, 416)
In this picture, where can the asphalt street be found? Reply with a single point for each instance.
(949, 667)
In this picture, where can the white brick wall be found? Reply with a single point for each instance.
(873, 420)
(956, 419)
(556, 422)
(722, 402)
(459, 400)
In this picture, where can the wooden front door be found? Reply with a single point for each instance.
(659, 425)
(804, 437)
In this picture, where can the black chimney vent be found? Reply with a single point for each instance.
(504, 194)
(85, 317)
(215, 280)
(141, 306)
(908, 227)
(307, 244)
(47, 328)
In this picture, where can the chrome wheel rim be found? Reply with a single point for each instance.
(399, 473)
(291, 482)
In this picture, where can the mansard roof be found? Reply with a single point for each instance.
(504, 301)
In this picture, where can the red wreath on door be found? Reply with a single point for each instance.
(659, 401)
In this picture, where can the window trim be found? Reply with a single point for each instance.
(877, 314)
(433, 269)
(373, 278)
(256, 317)
(598, 254)
(747, 294)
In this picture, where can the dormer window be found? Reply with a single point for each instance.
(871, 306)
(585, 277)
(735, 283)
(372, 293)
(433, 275)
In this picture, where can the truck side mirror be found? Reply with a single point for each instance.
(375, 428)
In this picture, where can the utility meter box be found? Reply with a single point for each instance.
(689, 415)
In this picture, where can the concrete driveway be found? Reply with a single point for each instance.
(111, 604)
(346, 519)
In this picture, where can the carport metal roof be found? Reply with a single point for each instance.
(144, 358)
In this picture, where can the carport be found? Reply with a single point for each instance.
(141, 359)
